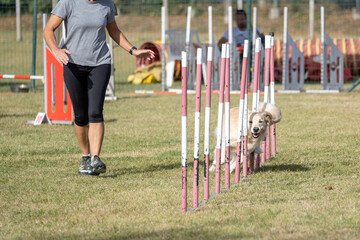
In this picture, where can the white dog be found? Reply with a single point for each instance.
(257, 124)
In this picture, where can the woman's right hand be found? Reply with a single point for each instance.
(62, 55)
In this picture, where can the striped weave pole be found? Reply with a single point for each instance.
(241, 112)
(255, 97)
(257, 156)
(207, 124)
(245, 126)
(266, 141)
(197, 130)
(267, 83)
(227, 118)
(220, 120)
(272, 95)
(184, 132)
(21, 76)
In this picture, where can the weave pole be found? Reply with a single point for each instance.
(184, 132)
(188, 49)
(207, 123)
(267, 94)
(257, 156)
(244, 152)
(256, 82)
(272, 94)
(220, 119)
(163, 42)
(197, 130)
(227, 117)
(243, 85)
(231, 52)
(266, 141)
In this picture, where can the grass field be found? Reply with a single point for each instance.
(310, 190)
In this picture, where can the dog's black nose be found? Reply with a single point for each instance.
(256, 129)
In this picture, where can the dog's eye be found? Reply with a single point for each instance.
(261, 121)
(250, 122)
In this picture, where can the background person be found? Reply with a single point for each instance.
(87, 63)
(239, 32)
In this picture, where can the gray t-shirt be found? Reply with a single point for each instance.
(238, 35)
(85, 24)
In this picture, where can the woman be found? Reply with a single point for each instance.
(86, 60)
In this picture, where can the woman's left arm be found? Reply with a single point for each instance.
(122, 41)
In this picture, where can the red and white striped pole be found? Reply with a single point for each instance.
(184, 132)
(227, 118)
(257, 156)
(220, 119)
(255, 103)
(266, 141)
(243, 85)
(272, 95)
(245, 128)
(267, 98)
(207, 124)
(21, 76)
(197, 130)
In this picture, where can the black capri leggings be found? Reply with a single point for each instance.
(87, 88)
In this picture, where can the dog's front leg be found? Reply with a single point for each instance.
(213, 166)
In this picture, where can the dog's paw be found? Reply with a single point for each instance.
(212, 168)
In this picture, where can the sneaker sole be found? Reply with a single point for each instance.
(88, 173)
(99, 170)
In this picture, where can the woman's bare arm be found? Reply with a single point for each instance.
(60, 54)
(122, 41)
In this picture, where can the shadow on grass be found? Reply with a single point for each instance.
(195, 232)
(284, 167)
(135, 96)
(111, 120)
(14, 115)
(187, 232)
(142, 169)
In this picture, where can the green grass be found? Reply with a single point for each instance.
(310, 190)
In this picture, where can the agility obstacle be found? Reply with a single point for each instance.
(57, 103)
(266, 141)
(242, 124)
(181, 40)
(216, 55)
(294, 83)
(272, 94)
(197, 129)
(163, 42)
(207, 123)
(184, 131)
(9, 76)
(255, 98)
(262, 56)
(110, 89)
(223, 120)
(228, 69)
(176, 45)
(336, 65)
(332, 66)
(55, 98)
(220, 119)
(234, 56)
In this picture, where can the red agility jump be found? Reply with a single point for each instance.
(54, 89)
(55, 85)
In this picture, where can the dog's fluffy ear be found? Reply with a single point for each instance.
(268, 118)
